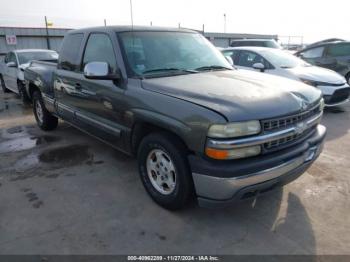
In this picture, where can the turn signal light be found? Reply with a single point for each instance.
(237, 153)
(216, 154)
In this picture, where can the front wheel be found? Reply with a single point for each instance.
(45, 120)
(164, 170)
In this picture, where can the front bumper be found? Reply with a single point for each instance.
(335, 96)
(220, 184)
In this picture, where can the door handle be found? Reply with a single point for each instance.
(78, 86)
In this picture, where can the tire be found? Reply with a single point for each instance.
(174, 196)
(45, 120)
(3, 86)
(23, 93)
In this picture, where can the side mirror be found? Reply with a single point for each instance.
(99, 71)
(259, 66)
(11, 64)
(229, 59)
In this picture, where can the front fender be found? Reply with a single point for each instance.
(165, 122)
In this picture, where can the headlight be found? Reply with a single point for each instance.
(232, 153)
(322, 104)
(235, 129)
(309, 82)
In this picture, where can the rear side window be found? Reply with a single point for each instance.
(69, 55)
(339, 50)
(314, 53)
(99, 48)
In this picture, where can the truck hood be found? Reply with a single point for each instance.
(319, 74)
(238, 95)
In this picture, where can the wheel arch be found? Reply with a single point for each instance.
(32, 88)
(142, 128)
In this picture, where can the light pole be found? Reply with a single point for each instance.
(224, 23)
(47, 34)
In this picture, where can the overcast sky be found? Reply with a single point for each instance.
(313, 19)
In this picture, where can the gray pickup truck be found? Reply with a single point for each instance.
(199, 127)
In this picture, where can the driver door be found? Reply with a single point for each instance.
(100, 104)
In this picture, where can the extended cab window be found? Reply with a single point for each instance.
(69, 55)
(99, 48)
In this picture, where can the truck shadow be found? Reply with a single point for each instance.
(276, 223)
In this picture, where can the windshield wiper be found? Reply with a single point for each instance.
(212, 67)
(169, 69)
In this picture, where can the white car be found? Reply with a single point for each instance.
(334, 87)
(15, 62)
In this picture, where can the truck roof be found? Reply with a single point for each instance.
(129, 28)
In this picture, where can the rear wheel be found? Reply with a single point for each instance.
(45, 120)
(164, 170)
(3, 86)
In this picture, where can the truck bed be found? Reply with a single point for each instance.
(39, 73)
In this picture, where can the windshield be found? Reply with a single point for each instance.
(169, 52)
(26, 57)
(282, 59)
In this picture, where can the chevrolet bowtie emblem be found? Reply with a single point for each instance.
(300, 128)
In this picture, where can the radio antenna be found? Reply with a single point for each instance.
(131, 16)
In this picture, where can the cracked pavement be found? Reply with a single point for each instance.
(63, 192)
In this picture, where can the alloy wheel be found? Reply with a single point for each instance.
(161, 171)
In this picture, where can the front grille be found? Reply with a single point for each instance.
(277, 124)
(288, 141)
(287, 121)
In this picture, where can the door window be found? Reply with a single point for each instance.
(99, 48)
(314, 53)
(339, 50)
(69, 55)
(248, 59)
